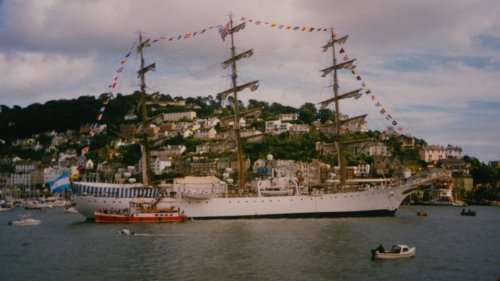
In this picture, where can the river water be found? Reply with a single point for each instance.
(66, 247)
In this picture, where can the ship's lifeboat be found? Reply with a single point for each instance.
(196, 196)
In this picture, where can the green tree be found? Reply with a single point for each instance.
(307, 113)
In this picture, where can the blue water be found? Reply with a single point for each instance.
(66, 247)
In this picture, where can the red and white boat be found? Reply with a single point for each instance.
(142, 211)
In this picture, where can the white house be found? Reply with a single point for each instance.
(363, 170)
(176, 116)
(186, 133)
(159, 164)
(210, 122)
(275, 127)
(357, 125)
(59, 139)
(298, 129)
(288, 117)
(453, 151)
(206, 133)
(24, 166)
(377, 148)
(169, 151)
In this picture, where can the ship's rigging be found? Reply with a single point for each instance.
(342, 162)
(146, 168)
(234, 91)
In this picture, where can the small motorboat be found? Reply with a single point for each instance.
(25, 221)
(396, 252)
(4, 207)
(469, 212)
(125, 231)
(35, 205)
(70, 210)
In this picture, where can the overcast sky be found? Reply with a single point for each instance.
(432, 65)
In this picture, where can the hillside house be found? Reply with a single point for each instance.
(299, 129)
(375, 148)
(252, 135)
(215, 147)
(166, 103)
(455, 165)
(326, 148)
(60, 139)
(288, 117)
(453, 151)
(24, 143)
(229, 122)
(177, 116)
(389, 132)
(169, 151)
(161, 165)
(406, 141)
(205, 133)
(276, 127)
(363, 170)
(432, 153)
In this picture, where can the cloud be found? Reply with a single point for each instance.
(27, 75)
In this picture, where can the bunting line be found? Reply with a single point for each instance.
(388, 116)
(285, 26)
(94, 128)
(185, 36)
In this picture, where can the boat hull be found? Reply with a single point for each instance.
(139, 218)
(379, 202)
(25, 222)
(392, 256)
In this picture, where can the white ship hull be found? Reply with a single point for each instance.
(378, 202)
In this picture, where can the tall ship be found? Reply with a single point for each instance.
(269, 196)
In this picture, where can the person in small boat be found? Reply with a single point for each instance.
(380, 248)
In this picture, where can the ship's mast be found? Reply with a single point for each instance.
(234, 76)
(234, 90)
(146, 168)
(336, 98)
(340, 148)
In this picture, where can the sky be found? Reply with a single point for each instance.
(433, 66)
